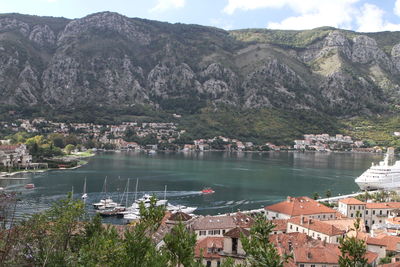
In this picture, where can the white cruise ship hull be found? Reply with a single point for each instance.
(380, 176)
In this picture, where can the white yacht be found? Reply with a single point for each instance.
(380, 176)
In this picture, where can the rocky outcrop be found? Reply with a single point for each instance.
(109, 59)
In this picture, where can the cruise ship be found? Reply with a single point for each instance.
(380, 176)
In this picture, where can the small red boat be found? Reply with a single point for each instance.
(207, 191)
(29, 186)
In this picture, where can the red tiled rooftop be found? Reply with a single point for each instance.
(214, 243)
(296, 206)
(351, 201)
(316, 225)
(280, 225)
(384, 205)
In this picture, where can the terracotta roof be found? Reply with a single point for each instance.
(375, 241)
(307, 250)
(351, 201)
(285, 242)
(179, 216)
(296, 206)
(324, 254)
(345, 224)
(8, 147)
(384, 205)
(222, 222)
(216, 244)
(394, 220)
(328, 254)
(316, 225)
(237, 232)
(280, 225)
(390, 241)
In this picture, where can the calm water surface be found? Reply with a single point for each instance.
(241, 180)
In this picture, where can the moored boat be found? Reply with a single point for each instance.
(29, 186)
(207, 191)
(380, 176)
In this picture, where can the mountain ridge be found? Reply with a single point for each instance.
(109, 59)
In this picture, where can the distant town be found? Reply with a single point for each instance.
(166, 136)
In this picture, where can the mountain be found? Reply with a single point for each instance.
(107, 59)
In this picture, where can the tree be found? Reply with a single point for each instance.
(259, 250)
(179, 246)
(315, 195)
(69, 148)
(328, 193)
(152, 215)
(352, 249)
(49, 238)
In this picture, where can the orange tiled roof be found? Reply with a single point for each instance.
(318, 226)
(237, 232)
(351, 201)
(280, 225)
(223, 222)
(384, 205)
(213, 243)
(296, 206)
(325, 254)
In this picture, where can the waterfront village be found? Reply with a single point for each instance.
(167, 136)
(310, 230)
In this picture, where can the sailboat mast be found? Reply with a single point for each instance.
(137, 182)
(84, 187)
(165, 192)
(127, 194)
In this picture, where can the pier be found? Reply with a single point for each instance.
(337, 198)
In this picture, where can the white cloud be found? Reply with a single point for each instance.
(232, 5)
(396, 9)
(163, 5)
(220, 23)
(337, 14)
(309, 13)
(371, 19)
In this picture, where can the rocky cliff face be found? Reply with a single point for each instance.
(109, 59)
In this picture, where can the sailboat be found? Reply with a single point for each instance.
(84, 195)
(116, 211)
(106, 203)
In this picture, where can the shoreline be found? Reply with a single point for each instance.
(4, 175)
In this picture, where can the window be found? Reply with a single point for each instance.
(366, 212)
(351, 215)
(301, 265)
(366, 222)
(331, 215)
(291, 227)
(218, 263)
(217, 232)
(208, 264)
(323, 216)
(312, 265)
(297, 229)
(380, 212)
(373, 212)
(373, 221)
(210, 232)
(202, 232)
(223, 231)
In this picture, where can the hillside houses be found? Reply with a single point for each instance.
(12, 156)
(325, 142)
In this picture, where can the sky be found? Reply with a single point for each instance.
(357, 15)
